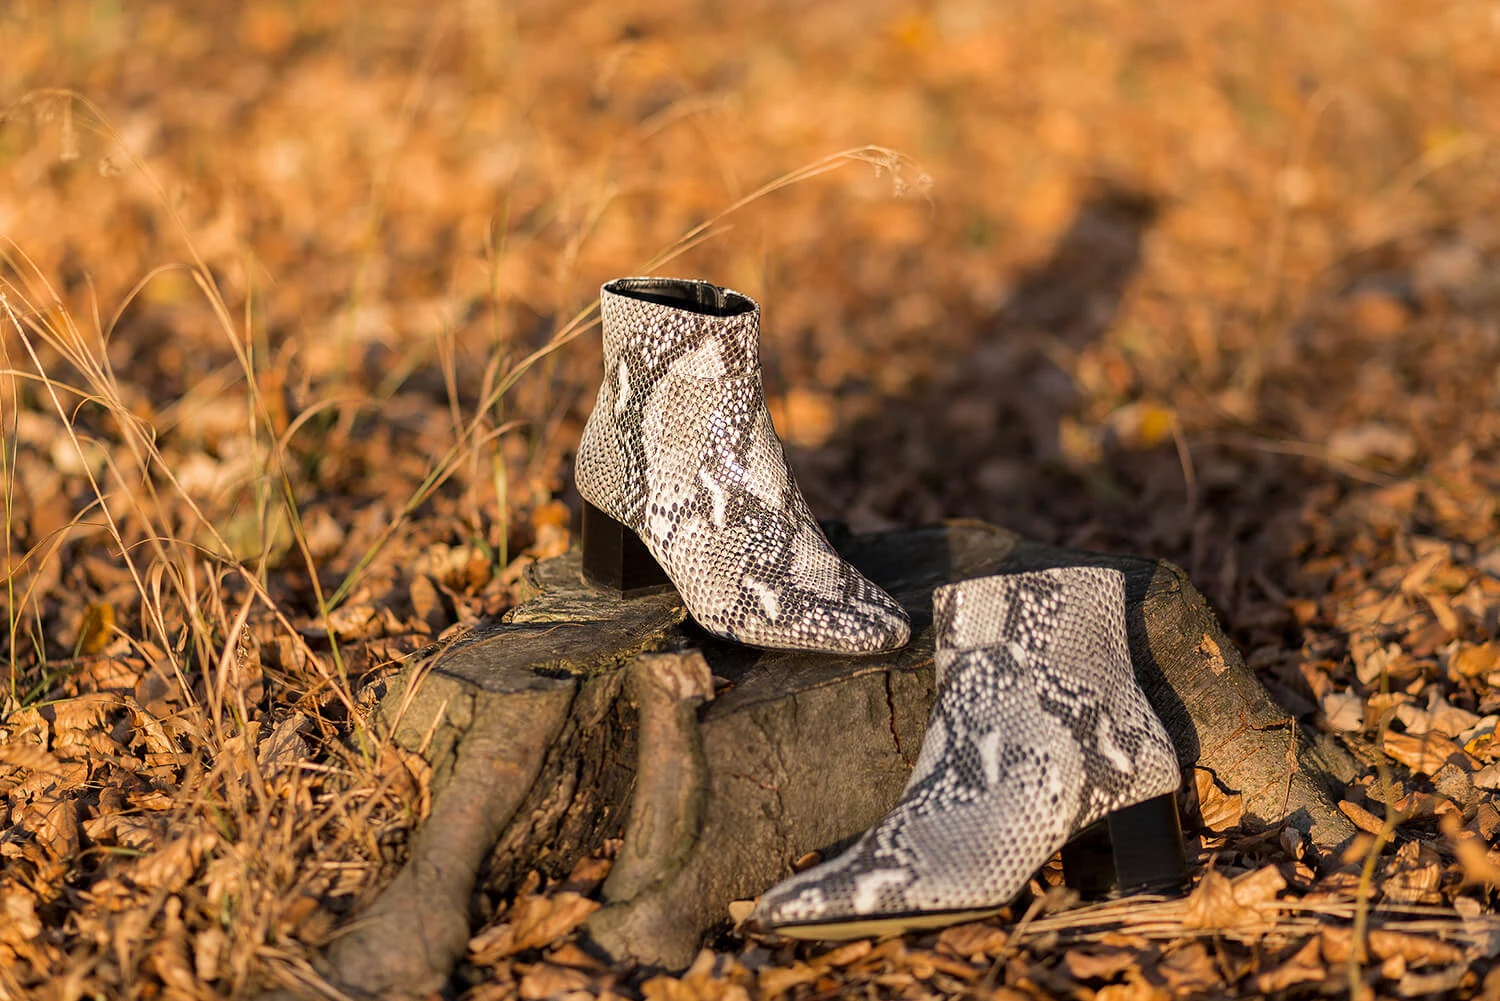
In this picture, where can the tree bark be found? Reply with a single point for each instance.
(580, 717)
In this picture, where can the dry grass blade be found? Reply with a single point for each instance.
(295, 341)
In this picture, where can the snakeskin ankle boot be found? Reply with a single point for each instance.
(1038, 732)
(685, 484)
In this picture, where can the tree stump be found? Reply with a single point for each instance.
(579, 717)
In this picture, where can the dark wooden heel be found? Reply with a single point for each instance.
(615, 559)
(1134, 850)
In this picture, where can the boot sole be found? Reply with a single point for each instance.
(1137, 849)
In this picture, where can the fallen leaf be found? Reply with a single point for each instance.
(209, 948)
(1212, 905)
(1426, 985)
(1135, 988)
(1363, 819)
(967, 941)
(1372, 440)
(535, 921)
(1480, 865)
(776, 980)
(1425, 754)
(547, 981)
(1189, 969)
(1259, 886)
(1413, 949)
(1439, 717)
(1475, 660)
(845, 954)
(427, 603)
(1219, 809)
(1488, 777)
(1479, 739)
(1098, 965)
(1344, 711)
(1304, 967)
(283, 748)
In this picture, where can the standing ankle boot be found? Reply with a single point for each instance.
(685, 484)
(1039, 730)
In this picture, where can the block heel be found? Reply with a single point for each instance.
(1134, 850)
(615, 559)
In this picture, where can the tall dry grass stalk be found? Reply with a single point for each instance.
(270, 793)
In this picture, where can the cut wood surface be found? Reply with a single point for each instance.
(603, 712)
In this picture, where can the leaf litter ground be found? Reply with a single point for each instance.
(292, 367)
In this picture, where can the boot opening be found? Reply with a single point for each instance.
(682, 293)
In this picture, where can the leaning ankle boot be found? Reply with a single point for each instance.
(685, 484)
(1039, 730)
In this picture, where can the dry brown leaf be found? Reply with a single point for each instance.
(1479, 739)
(1219, 809)
(283, 748)
(545, 980)
(1486, 821)
(844, 954)
(54, 823)
(1425, 754)
(150, 799)
(121, 829)
(209, 948)
(170, 867)
(18, 905)
(1213, 905)
(1363, 819)
(1344, 711)
(1259, 886)
(1189, 968)
(1135, 988)
(168, 953)
(354, 621)
(1442, 610)
(74, 719)
(1377, 313)
(976, 938)
(1304, 967)
(1475, 660)
(587, 874)
(1106, 965)
(427, 603)
(1413, 949)
(1433, 984)
(1439, 717)
(774, 981)
(924, 965)
(29, 768)
(1415, 885)
(1480, 865)
(535, 921)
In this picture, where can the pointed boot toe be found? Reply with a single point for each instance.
(1039, 731)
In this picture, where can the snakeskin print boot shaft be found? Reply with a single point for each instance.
(1038, 731)
(684, 480)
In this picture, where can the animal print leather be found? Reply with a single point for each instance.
(1038, 730)
(680, 448)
